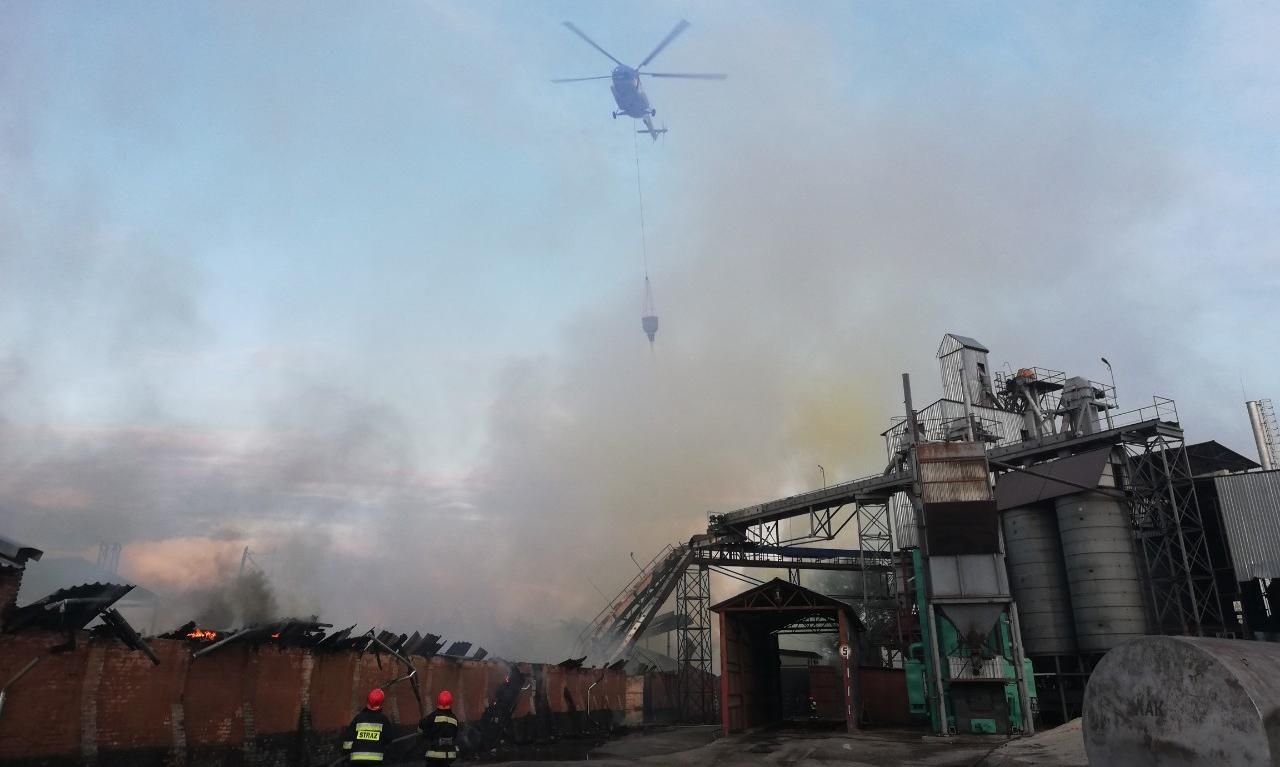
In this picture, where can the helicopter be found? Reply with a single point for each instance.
(627, 91)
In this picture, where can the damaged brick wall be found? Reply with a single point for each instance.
(104, 705)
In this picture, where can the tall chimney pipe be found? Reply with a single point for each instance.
(1260, 434)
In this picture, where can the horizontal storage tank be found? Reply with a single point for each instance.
(1102, 571)
(1183, 701)
(1033, 553)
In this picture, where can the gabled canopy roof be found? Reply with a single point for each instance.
(785, 603)
(1211, 456)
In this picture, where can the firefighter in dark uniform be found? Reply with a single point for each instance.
(441, 730)
(367, 737)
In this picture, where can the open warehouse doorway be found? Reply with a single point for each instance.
(752, 691)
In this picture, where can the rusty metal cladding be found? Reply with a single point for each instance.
(1182, 701)
(966, 470)
(950, 451)
(953, 472)
(1250, 506)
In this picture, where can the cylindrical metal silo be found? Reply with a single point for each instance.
(1102, 570)
(1033, 553)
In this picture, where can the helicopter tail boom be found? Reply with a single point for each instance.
(650, 130)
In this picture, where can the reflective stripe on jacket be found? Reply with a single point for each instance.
(367, 737)
(441, 729)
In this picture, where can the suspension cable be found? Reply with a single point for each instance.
(644, 242)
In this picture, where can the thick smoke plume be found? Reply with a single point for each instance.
(805, 252)
(245, 600)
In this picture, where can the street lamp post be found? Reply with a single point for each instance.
(1113, 389)
(824, 476)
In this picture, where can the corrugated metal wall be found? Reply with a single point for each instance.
(1250, 506)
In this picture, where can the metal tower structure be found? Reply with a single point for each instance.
(878, 605)
(109, 558)
(696, 679)
(1169, 530)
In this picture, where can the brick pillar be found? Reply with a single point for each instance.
(10, 583)
(304, 710)
(249, 746)
(89, 705)
(178, 753)
(358, 693)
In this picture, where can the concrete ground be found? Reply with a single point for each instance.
(1061, 747)
(698, 746)
(803, 747)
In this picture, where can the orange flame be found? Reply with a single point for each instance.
(202, 634)
(276, 635)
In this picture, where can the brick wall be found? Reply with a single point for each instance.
(48, 695)
(134, 703)
(104, 705)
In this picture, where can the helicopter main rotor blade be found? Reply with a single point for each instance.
(682, 26)
(686, 76)
(591, 42)
(580, 79)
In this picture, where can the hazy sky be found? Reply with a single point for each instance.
(358, 285)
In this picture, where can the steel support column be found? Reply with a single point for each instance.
(696, 680)
(875, 542)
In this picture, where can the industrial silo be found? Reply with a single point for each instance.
(1033, 554)
(1102, 567)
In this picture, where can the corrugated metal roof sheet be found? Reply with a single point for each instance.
(952, 342)
(69, 608)
(1208, 457)
(16, 555)
(1250, 506)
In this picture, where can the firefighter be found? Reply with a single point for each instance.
(366, 738)
(441, 730)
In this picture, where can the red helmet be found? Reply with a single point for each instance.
(444, 699)
(376, 696)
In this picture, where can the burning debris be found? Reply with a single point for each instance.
(311, 634)
(190, 631)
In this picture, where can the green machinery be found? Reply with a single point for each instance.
(978, 677)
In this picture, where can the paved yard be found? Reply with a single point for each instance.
(699, 746)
